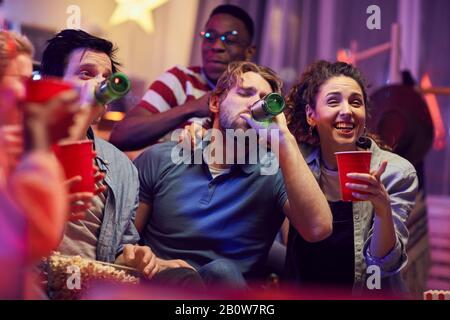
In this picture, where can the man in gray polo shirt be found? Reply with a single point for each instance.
(222, 218)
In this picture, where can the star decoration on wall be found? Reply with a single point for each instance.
(139, 11)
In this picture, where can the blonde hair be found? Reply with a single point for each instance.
(12, 44)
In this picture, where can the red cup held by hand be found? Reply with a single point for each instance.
(352, 162)
(40, 91)
(77, 159)
(53, 103)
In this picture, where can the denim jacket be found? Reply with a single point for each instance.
(400, 181)
(121, 203)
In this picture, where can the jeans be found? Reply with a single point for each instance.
(179, 278)
(224, 273)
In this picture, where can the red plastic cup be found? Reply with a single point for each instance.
(40, 91)
(77, 159)
(352, 162)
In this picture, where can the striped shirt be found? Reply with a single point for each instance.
(174, 88)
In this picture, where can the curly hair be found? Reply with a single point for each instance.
(305, 91)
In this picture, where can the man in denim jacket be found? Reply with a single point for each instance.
(107, 231)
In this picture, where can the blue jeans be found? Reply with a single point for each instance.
(222, 272)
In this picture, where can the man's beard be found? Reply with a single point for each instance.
(234, 124)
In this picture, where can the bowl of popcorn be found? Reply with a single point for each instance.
(69, 277)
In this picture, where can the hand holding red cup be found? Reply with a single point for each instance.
(77, 159)
(352, 162)
(49, 108)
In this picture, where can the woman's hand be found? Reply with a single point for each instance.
(79, 202)
(371, 190)
(11, 141)
(48, 123)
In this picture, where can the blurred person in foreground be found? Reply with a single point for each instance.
(33, 201)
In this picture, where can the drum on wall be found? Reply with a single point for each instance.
(400, 116)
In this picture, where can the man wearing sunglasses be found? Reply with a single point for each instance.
(180, 96)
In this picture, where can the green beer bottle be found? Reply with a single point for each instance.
(268, 107)
(116, 86)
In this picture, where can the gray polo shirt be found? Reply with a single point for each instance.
(199, 219)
